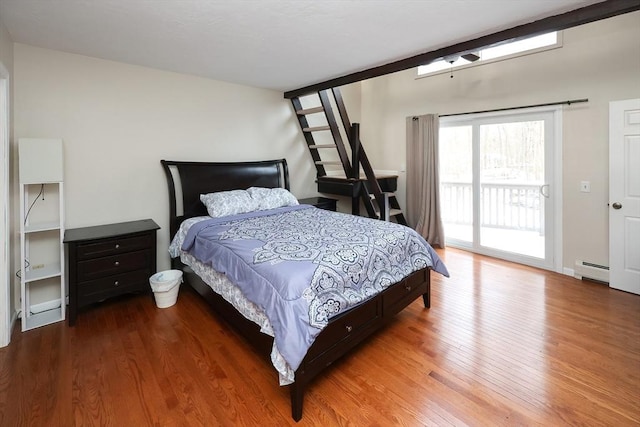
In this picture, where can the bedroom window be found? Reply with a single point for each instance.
(489, 54)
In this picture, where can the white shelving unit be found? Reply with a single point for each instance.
(42, 277)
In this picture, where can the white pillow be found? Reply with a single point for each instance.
(225, 203)
(271, 198)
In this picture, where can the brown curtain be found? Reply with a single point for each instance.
(423, 182)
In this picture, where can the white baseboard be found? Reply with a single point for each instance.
(12, 324)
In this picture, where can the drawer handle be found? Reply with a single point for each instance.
(116, 283)
(349, 328)
(117, 245)
(407, 287)
(117, 263)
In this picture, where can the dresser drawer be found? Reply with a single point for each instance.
(400, 295)
(113, 246)
(116, 264)
(97, 290)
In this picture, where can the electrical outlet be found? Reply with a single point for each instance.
(585, 186)
(37, 266)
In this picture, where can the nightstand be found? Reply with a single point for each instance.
(109, 260)
(320, 202)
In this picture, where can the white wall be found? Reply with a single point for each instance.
(599, 61)
(118, 121)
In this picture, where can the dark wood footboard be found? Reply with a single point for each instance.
(352, 327)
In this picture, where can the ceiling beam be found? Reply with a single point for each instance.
(594, 12)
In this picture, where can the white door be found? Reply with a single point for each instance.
(624, 195)
(5, 283)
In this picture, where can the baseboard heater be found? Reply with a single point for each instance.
(591, 271)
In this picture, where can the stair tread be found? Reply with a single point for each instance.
(323, 146)
(311, 110)
(392, 212)
(328, 162)
(316, 128)
(336, 178)
(390, 193)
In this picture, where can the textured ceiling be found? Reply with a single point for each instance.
(274, 44)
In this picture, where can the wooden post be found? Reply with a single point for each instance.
(355, 165)
(355, 150)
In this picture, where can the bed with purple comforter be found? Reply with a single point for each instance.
(302, 265)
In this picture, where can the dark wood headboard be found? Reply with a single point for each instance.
(190, 179)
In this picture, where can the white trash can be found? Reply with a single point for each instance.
(165, 286)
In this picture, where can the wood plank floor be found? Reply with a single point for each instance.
(502, 345)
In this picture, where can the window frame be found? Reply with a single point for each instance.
(557, 45)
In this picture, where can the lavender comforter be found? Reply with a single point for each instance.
(302, 265)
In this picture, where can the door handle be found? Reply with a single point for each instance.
(542, 193)
(616, 205)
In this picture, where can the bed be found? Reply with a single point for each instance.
(299, 353)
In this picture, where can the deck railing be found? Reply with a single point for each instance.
(510, 206)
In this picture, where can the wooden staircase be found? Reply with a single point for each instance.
(340, 171)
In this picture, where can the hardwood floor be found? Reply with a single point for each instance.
(502, 344)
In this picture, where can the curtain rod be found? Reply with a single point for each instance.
(573, 101)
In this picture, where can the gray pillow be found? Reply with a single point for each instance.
(225, 203)
(271, 198)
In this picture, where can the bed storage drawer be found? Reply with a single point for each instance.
(344, 329)
(403, 293)
(109, 260)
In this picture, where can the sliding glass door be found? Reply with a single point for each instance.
(497, 177)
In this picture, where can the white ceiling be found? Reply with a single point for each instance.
(274, 44)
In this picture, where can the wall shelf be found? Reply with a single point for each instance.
(36, 228)
(46, 272)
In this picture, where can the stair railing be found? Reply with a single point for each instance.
(374, 185)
